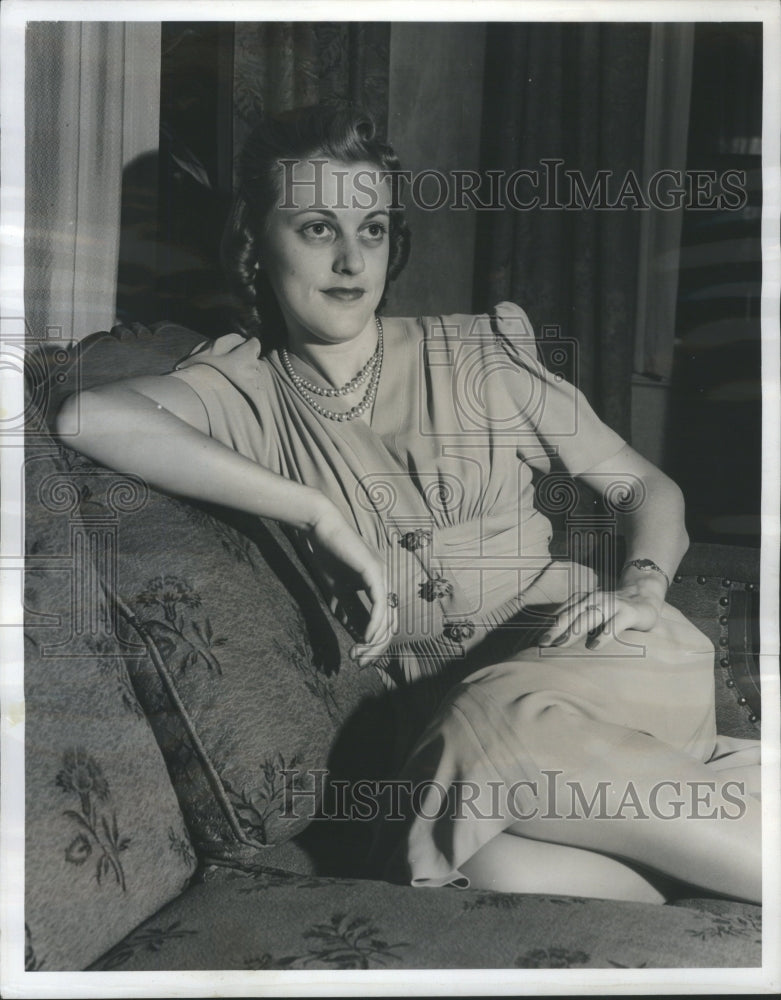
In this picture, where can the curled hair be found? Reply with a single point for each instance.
(330, 131)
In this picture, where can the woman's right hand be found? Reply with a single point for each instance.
(334, 537)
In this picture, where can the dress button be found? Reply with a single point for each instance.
(435, 589)
(724, 641)
(414, 540)
(724, 602)
(753, 718)
(729, 682)
(701, 579)
(723, 619)
(459, 631)
(677, 578)
(726, 583)
(724, 661)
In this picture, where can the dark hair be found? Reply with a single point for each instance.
(337, 132)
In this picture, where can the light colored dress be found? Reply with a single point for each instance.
(445, 493)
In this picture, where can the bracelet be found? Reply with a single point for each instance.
(647, 565)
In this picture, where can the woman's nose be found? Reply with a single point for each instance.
(349, 257)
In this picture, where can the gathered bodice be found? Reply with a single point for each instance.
(439, 480)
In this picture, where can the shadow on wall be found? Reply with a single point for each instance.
(169, 266)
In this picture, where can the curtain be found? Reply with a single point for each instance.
(92, 106)
(666, 137)
(279, 66)
(216, 78)
(577, 93)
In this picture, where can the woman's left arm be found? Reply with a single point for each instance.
(656, 541)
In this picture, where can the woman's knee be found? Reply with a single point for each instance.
(514, 864)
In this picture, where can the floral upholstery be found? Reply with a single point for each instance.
(244, 679)
(271, 919)
(106, 843)
(246, 674)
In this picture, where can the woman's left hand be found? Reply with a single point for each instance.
(603, 615)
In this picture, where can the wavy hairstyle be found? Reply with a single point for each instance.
(336, 132)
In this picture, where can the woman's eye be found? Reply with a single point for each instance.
(317, 230)
(375, 230)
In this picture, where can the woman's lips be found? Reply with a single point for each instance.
(344, 294)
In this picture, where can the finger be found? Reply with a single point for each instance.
(591, 617)
(564, 612)
(377, 592)
(383, 626)
(571, 623)
(562, 621)
(364, 653)
(577, 598)
(586, 616)
(623, 618)
(390, 629)
(377, 619)
(605, 632)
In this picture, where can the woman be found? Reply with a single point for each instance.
(402, 452)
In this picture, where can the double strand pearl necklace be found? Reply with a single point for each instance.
(371, 369)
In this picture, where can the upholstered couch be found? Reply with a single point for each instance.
(177, 660)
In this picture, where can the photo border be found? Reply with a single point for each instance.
(16, 982)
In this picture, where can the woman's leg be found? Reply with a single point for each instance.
(634, 797)
(514, 864)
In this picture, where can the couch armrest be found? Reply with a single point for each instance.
(717, 588)
(55, 371)
(730, 562)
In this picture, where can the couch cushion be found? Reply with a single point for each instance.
(264, 919)
(105, 843)
(246, 674)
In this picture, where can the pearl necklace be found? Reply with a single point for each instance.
(372, 368)
(350, 386)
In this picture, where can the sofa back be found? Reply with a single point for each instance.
(208, 630)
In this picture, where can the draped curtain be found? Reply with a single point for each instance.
(279, 66)
(92, 93)
(576, 92)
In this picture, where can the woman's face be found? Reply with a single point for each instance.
(325, 249)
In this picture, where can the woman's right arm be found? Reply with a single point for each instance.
(156, 428)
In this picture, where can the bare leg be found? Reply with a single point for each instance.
(711, 838)
(514, 864)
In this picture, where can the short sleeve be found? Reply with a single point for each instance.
(560, 414)
(233, 420)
